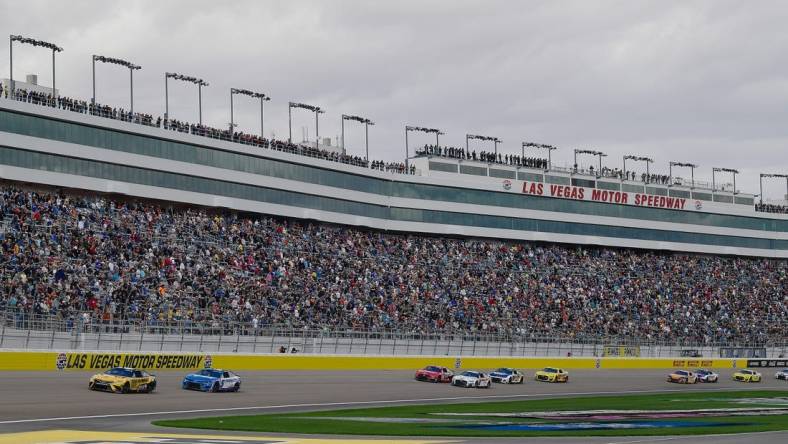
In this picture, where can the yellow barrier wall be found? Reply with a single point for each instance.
(49, 361)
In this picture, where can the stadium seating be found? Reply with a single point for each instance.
(68, 255)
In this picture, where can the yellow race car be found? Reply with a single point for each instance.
(747, 375)
(123, 380)
(552, 374)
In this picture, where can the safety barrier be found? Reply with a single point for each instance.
(54, 361)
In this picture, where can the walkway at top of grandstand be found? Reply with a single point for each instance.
(105, 111)
(537, 163)
(96, 109)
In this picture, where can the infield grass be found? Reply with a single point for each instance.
(364, 422)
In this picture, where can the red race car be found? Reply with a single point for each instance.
(433, 373)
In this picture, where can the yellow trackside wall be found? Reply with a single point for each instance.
(43, 361)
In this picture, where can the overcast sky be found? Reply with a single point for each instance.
(694, 81)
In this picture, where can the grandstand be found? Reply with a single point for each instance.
(110, 217)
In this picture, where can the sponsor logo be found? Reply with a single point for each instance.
(458, 363)
(767, 363)
(698, 205)
(142, 361)
(62, 361)
(598, 363)
(507, 184)
(208, 361)
(607, 196)
(679, 363)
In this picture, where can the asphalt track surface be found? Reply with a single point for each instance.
(33, 401)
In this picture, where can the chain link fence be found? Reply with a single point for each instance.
(47, 333)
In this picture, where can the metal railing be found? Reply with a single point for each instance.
(83, 333)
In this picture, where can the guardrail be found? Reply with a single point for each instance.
(46, 333)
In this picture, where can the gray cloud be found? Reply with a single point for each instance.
(700, 81)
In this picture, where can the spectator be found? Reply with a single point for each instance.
(100, 261)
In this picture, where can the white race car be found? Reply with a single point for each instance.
(471, 379)
(782, 374)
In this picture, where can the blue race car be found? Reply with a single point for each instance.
(212, 380)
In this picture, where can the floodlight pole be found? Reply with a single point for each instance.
(317, 130)
(11, 63)
(290, 122)
(342, 124)
(199, 100)
(131, 89)
(366, 140)
(54, 89)
(93, 100)
(495, 144)
(232, 122)
(760, 180)
(407, 152)
(166, 97)
(262, 115)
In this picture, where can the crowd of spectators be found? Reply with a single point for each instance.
(482, 156)
(84, 107)
(771, 208)
(71, 256)
(393, 167)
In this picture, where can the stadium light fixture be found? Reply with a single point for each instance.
(199, 82)
(245, 92)
(784, 176)
(114, 61)
(494, 140)
(314, 109)
(366, 123)
(593, 153)
(28, 41)
(542, 146)
(691, 166)
(722, 170)
(409, 128)
(637, 158)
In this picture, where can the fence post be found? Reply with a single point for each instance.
(2, 334)
(52, 342)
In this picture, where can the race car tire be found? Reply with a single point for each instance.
(237, 387)
(126, 388)
(683, 381)
(151, 387)
(215, 387)
(91, 386)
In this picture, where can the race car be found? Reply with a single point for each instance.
(747, 375)
(212, 380)
(705, 375)
(433, 373)
(552, 374)
(782, 374)
(505, 375)
(472, 379)
(683, 377)
(123, 380)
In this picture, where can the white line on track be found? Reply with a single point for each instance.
(338, 404)
(736, 436)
